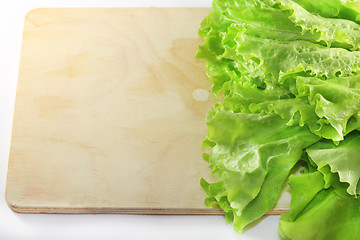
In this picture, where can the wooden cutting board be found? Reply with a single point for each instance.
(109, 113)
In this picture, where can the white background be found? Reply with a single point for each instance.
(49, 227)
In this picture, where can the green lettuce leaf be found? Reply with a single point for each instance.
(245, 97)
(335, 99)
(343, 9)
(330, 108)
(265, 22)
(304, 187)
(343, 159)
(253, 155)
(334, 32)
(266, 61)
(319, 213)
(277, 60)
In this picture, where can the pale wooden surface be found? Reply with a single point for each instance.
(109, 113)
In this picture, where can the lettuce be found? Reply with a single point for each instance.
(288, 73)
(328, 215)
(253, 155)
(343, 9)
(334, 32)
(343, 159)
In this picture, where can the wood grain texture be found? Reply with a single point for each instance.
(109, 113)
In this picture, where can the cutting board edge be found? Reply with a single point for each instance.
(127, 211)
(15, 206)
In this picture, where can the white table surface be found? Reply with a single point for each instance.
(51, 227)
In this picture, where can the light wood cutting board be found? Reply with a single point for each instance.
(109, 113)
